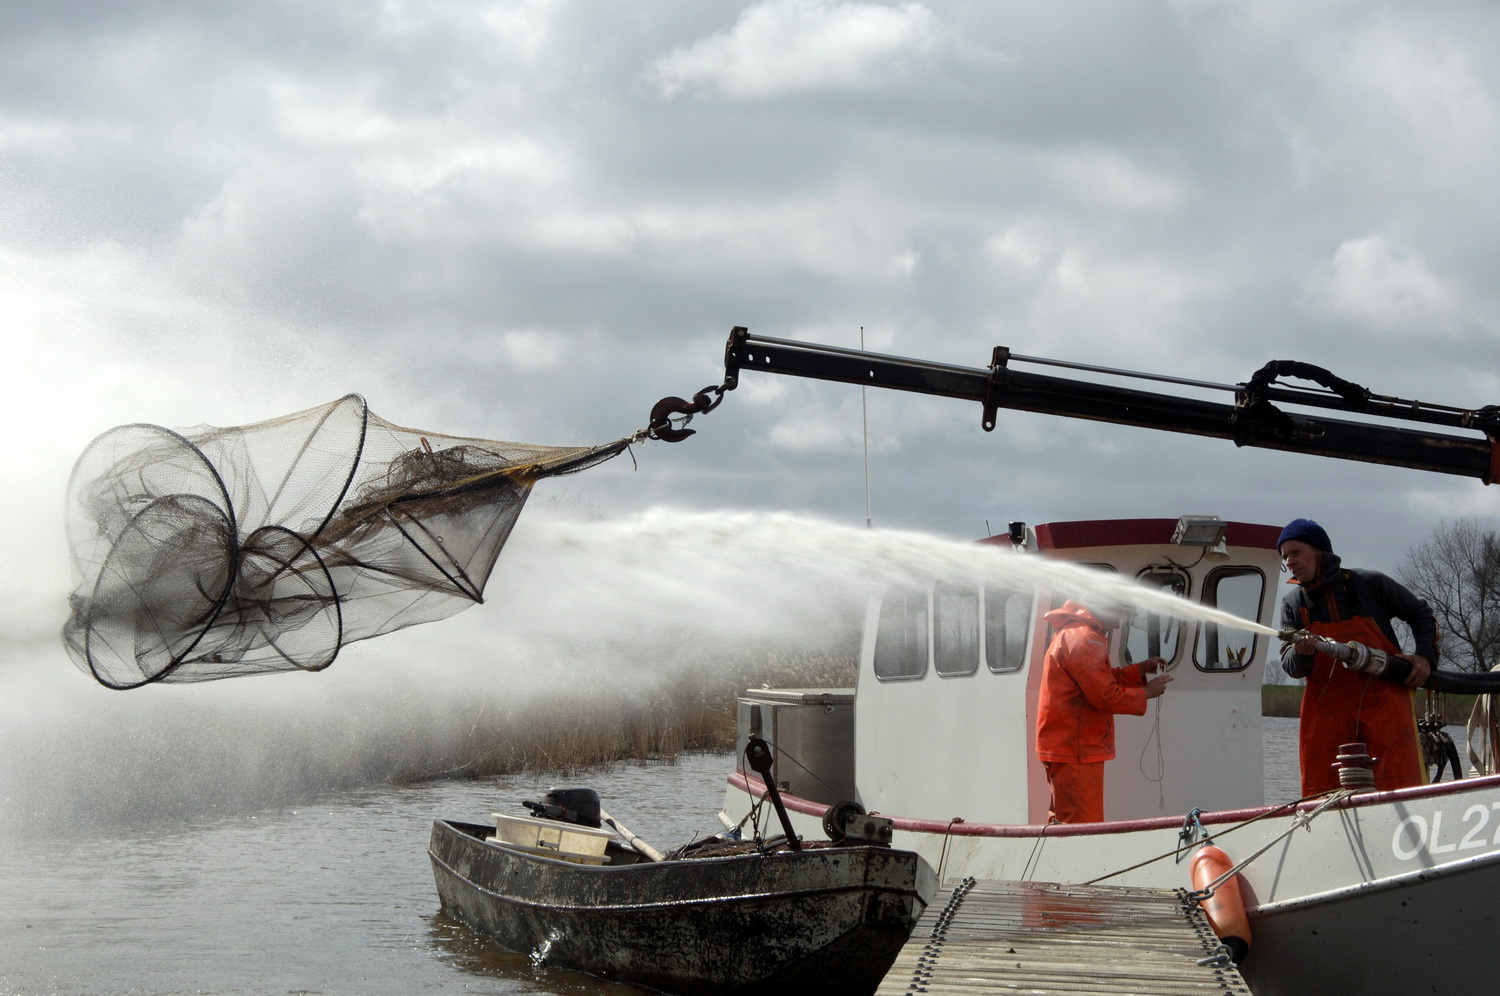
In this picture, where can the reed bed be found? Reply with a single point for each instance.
(568, 732)
(1286, 700)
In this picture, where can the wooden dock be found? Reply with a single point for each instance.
(1034, 937)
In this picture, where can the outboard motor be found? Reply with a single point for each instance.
(570, 805)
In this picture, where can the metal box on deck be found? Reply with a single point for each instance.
(812, 731)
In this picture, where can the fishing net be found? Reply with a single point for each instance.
(217, 552)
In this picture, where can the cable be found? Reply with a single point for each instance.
(1273, 811)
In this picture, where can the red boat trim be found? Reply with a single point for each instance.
(959, 828)
(1142, 532)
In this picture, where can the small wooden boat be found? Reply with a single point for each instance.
(825, 919)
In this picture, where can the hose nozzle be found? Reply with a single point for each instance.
(1358, 657)
(1354, 656)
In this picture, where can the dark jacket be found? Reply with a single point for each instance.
(1343, 593)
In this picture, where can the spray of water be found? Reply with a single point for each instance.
(586, 609)
(726, 558)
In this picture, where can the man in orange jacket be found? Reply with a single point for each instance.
(1081, 693)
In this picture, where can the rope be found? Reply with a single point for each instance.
(1338, 794)
(1192, 831)
(1036, 853)
(783, 754)
(1161, 761)
(947, 837)
(1300, 821)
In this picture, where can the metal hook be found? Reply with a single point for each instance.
(660, 426)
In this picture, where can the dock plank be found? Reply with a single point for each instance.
(1040, 937)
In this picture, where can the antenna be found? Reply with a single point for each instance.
(864, 415)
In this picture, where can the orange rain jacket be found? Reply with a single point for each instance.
(1081, 692)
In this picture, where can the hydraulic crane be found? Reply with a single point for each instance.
(1255, 418)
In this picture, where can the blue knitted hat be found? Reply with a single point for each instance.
(1308, 532)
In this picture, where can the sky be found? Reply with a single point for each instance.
(531, 220)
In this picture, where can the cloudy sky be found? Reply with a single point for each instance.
(530, 220)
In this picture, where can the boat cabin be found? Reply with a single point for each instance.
(942, 721)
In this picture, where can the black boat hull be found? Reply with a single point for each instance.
(826, 920)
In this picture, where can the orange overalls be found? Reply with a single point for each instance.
(1080, 695)
(1340, 706)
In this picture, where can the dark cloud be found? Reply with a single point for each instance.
(532, 220)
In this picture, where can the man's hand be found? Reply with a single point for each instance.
(1157, 685)
(1421, 667)
(1152, 665)
(1305, 646)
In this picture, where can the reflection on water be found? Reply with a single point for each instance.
(474, 954)
(334, 896)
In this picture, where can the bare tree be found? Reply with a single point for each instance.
(1457, 569)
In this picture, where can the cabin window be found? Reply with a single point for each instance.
(955, 628)
(1154, 634)
(901, 637)
(1238, 591)
(1007, 621)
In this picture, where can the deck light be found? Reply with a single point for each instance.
(1199, 530)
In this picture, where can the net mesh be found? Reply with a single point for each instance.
(216, 552)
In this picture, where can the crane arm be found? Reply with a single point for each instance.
(1255, 418)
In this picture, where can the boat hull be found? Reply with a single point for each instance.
(1381, 892)
(829, 920)
(1420, 933)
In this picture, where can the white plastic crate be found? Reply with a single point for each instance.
(550, 835)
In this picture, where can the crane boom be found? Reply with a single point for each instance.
(1254, 419)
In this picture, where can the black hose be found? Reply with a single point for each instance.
(1397, 669)
(1346, 389)
(1462, 682)
(1450, 757)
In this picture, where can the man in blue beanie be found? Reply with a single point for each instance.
(1340, 706)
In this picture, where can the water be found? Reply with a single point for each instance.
(331, 897)
(794, 558)
(1279, 743)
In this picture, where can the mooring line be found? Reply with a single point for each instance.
(1299, 820)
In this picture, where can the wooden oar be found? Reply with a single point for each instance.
(634, 841)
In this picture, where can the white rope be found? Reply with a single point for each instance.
(1161, 761)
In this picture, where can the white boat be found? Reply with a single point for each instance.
(1359, 892)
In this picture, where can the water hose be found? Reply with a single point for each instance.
(1358, 657)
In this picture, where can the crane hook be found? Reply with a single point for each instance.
(703, 402)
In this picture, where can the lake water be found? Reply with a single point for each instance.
(334, 896)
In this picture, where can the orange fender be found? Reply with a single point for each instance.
(1225, 909)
